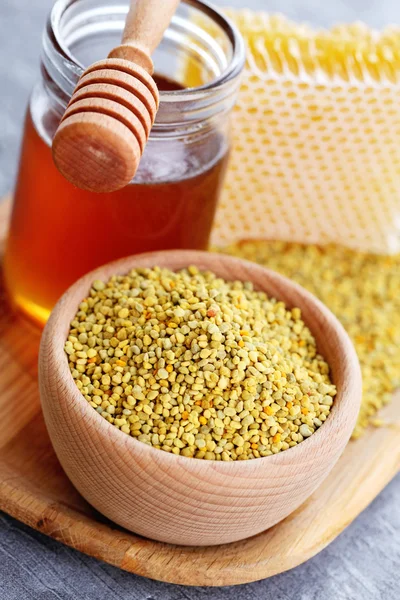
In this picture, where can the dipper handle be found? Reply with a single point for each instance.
(145, 24)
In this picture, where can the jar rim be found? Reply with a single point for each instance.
(231, 71)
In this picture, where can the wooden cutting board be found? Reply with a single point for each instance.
(35, 490)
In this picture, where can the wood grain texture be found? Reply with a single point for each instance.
(110, 108)
(102, 135)
(35, 490)
(85, 136)
(145, 25)
(114, 92)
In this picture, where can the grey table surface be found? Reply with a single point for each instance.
(362, 564)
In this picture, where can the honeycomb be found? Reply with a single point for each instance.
(316, 137)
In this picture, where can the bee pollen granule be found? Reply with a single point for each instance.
(363, 291)
(194, 365)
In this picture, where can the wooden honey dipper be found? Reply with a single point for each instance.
(102, 135)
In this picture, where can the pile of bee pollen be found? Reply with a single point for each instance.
(198, 366)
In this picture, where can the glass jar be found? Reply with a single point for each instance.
(59, 232)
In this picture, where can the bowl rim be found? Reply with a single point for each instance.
(52, 351)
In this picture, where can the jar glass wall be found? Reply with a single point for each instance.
(59, 232)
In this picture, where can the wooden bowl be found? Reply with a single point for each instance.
(184, 500)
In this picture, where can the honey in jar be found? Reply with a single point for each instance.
(59, 232)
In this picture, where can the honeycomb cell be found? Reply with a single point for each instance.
(316, 137)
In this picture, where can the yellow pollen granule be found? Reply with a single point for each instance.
(209, 375)
(363, 291)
